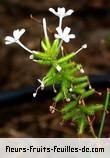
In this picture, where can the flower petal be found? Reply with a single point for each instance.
(61, 11)
(18, 33)
(53, 11)
(59, 30)
(57, 36)
(66, 30)
(69, 12)
(72, 36)
(8, 42)
(21, 32)
(9, 39)
(66, 39)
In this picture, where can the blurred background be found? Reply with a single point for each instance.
(90, 23)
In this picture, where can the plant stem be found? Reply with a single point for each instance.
(90, 122)
(91, 127)
(104, 113)
(24, 47)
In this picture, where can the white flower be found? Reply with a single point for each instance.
(61, 13)
(64, 35)
(16, 36)
(16, 39)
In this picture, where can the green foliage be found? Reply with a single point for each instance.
(74, 85)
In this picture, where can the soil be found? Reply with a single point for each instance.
(90, 23)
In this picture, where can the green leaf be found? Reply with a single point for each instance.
(44, 62)
(81, 124)
(55, 48)
(77, 80)
(47, 42)
(69, 106)
(82, 85)
(70, 115)
(52, 79)
(88, 93)
(67, 65)
(66, 58)
(59, 97)
(78, 90)
(41, 56)
(43, 45)
(73, 70)
(50, 73)
(91, 109)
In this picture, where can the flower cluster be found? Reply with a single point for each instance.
(16, 39)
(62, 34)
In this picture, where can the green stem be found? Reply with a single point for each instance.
(104, 113)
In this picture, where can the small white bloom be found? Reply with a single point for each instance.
(16, 39)
(64, 35)
(61, 13)
(58, 68)
(16, 36)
